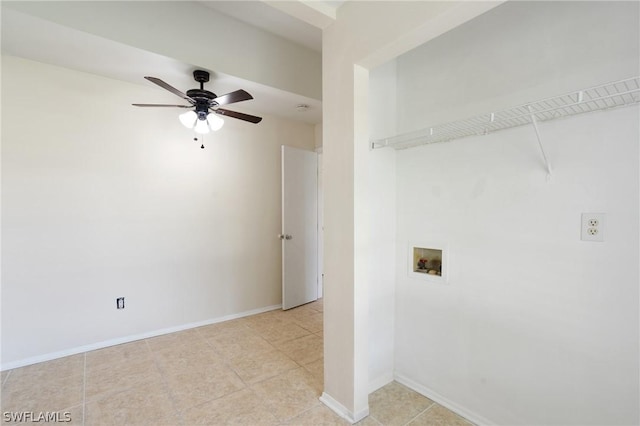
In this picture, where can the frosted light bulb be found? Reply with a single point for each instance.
(188, 119)
(215, 122)
(201, 127)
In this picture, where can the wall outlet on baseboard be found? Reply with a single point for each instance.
(120, 303)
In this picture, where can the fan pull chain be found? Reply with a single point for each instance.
(195, 138)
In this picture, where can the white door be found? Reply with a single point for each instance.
(299, 227)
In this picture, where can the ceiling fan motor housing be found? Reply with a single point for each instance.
(202, 109)
(204, 98)
(201, 94)
(201, 76)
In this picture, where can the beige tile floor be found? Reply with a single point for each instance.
(265, 369)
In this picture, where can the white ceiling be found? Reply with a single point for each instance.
(261, 15)
(265, 17)
(43, 41)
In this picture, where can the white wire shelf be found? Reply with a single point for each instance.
(606, 96)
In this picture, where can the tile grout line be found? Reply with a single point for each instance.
(6, 378)
(374, 419)
(319, 404)
(84, 387)
(420, 413)
(178, 412)
(277, 349)
(226, 362)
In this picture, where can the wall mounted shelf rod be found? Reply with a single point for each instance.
(605, 96)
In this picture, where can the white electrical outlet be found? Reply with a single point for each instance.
(592, 227)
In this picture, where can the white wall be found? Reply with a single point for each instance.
(351, 45)
(519, 52)
(102, 200)
(535, 326)
(318, 149)
(383, 101)
(381, 212)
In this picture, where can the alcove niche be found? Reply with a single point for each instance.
(428, 262)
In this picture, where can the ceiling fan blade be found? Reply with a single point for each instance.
(233, 97)
(163, 105)
(169, 88)
(238, 115)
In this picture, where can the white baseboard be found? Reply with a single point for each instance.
(436, 397)
(342, 411)
(126, 339)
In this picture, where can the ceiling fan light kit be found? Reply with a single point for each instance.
(206, 105)
(191, 120)
(214, 122)
(201, 127)
(188, 119)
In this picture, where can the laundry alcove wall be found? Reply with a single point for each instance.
(530, 311)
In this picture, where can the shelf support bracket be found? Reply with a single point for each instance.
(534, 121)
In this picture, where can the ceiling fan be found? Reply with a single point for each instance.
(204, 105)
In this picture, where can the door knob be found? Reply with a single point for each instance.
(281, 236)
(288, 237)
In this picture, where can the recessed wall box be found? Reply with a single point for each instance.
(428, 262)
